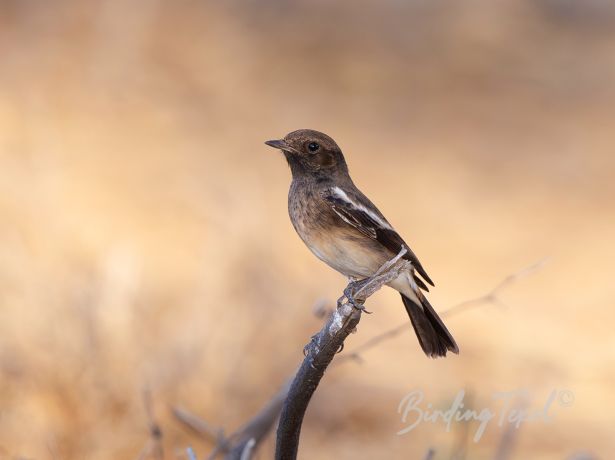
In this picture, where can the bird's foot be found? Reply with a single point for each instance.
(350, 292)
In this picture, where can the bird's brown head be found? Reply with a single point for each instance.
(311, 152)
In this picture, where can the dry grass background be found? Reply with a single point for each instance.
(145, 241)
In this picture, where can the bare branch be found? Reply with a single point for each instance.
(321, 351)
(460, 444)
(243, 443)
(153, 447)
(491, 297)
(247, 439)
(198, 425)
(509, 438)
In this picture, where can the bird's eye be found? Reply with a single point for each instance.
(313, 146)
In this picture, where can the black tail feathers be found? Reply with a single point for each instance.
(433, 335)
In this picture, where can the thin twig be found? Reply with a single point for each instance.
(490, 297)
(198, 425)
(153, 447)
(243, 443)
(460, 445)
(508, 440)
(493, 295)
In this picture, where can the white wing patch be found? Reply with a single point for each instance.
(345, 219)
(343, 196)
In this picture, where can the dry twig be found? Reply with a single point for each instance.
(153, 447)
(243, 443)
(491, 297)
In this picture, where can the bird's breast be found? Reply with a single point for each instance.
(332, 240)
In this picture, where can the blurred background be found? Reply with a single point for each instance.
(145, 243)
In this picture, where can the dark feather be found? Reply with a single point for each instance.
(371, 228)
(434, 338)
(420, 283)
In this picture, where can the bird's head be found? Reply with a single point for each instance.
(311, 152)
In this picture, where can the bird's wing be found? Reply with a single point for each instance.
(355, 209)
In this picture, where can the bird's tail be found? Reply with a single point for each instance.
(433, 335)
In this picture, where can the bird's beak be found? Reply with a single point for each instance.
(278, 144)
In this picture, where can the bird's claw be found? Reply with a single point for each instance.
(348, 293)
(362, 309)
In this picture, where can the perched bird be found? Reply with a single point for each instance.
(344, 229)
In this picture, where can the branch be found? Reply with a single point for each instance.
(238, 446)
(199, 426)
(490, 297)
(153, 448)
(320, 352)
(243, 443)
(250, 436)
(493, 295)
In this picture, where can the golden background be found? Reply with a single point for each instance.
(145, 242)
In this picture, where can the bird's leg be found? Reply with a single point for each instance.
(353, 287)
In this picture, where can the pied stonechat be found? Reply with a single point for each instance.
(344, 229)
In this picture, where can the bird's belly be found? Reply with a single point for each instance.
(351, 256)
(333, 241)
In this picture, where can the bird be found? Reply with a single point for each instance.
(344, 229)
